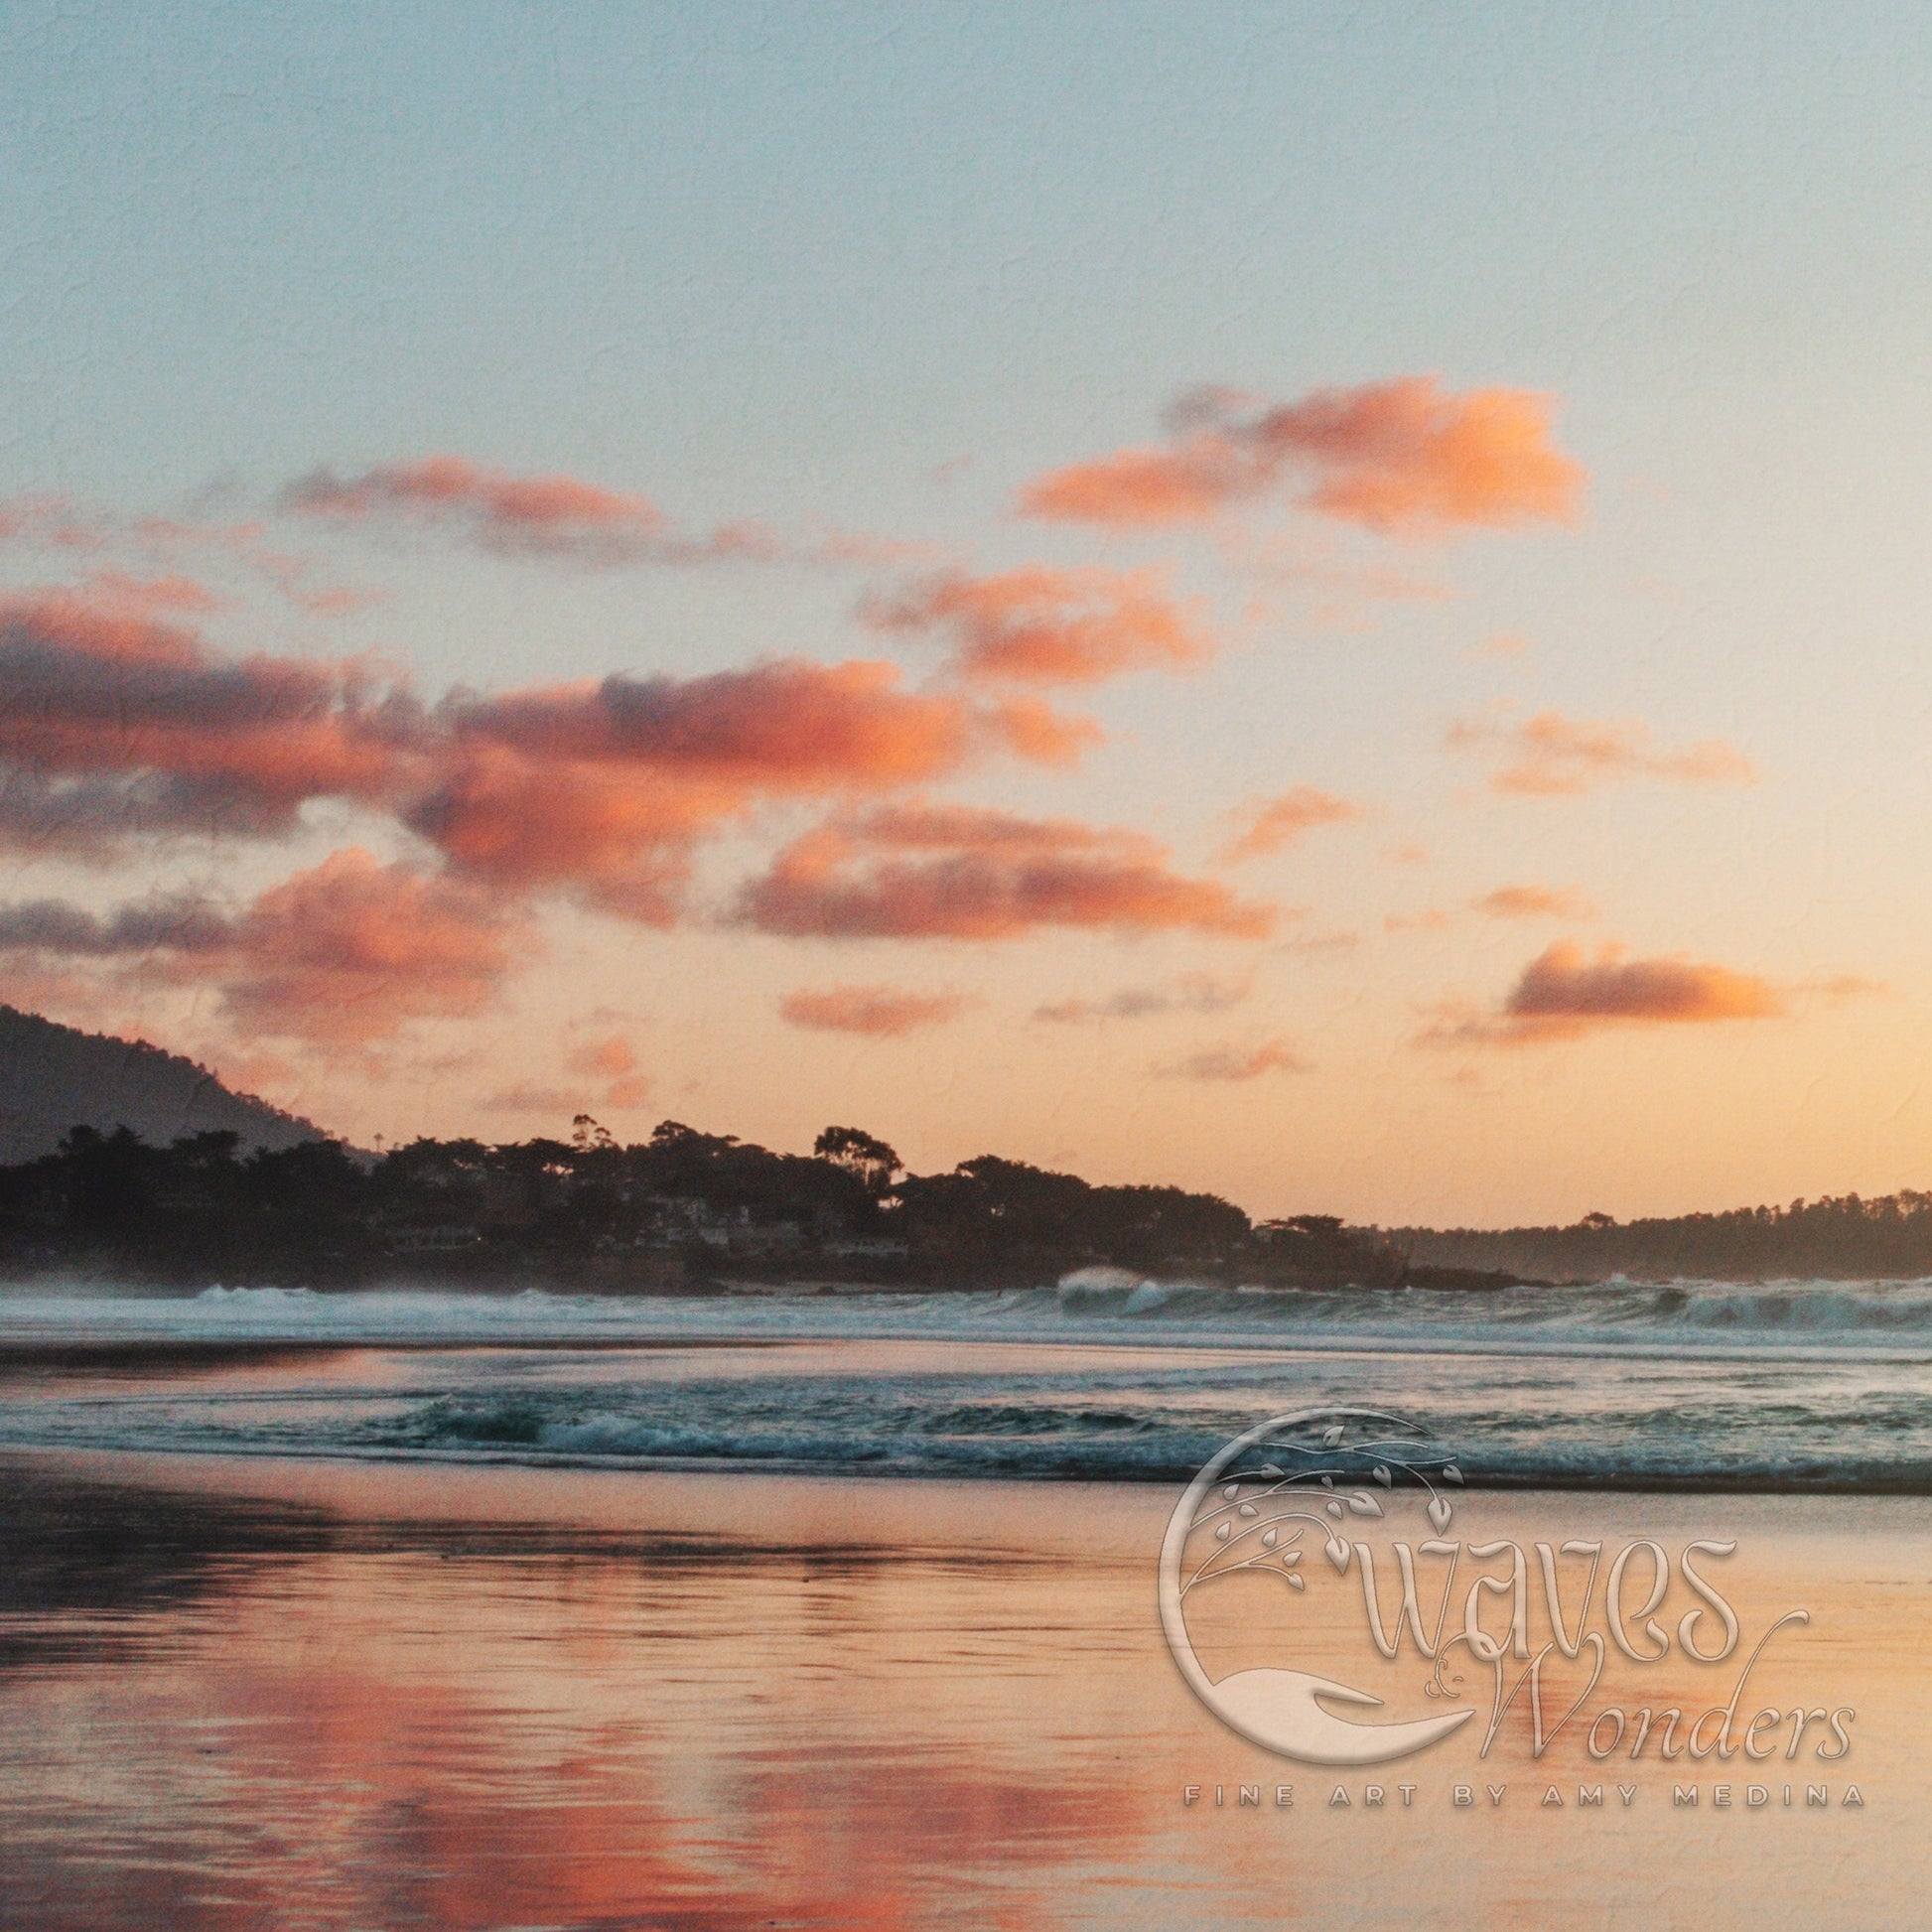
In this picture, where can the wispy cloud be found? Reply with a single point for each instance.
(954, 873)
(1042, 625)
(1534, 902)
(1236, 1062)
(1403, 458)
(1550, 756)
(877, 1012)
(1268, 824)
(1185, 993)
(561, 516)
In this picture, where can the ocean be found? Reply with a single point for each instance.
(1794, 1385)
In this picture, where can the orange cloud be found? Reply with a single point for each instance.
(955, 873)
(112, 724)
(789, 726)
(1274, 822)
(344, 953)
(1550, 756)
(1562, 993)
(879, 1012)
(348, 950)
(1533, 903)
(606, 786)
(1039, 625)
(612, 1058)
(564, 516)
(542, 512)
(1403, 458)
(1237, 1062)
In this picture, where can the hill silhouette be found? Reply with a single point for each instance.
(54, 1078)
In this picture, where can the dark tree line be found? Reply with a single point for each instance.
(1845, 1238)
(683, 1207)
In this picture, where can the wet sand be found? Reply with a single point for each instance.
(238, 1692)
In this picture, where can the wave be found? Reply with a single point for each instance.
(1104, 1374)
(1091, 1303)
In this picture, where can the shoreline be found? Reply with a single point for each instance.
(749, 1469)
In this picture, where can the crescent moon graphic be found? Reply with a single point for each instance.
(1278, 1709)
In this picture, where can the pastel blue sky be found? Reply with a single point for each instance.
(870, 270)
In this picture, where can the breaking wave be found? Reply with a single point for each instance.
(1084, 1306)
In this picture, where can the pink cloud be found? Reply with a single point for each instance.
(1042, 625)
(346, 952)
(563, 516)
(1402, 457)
(878, 1012)
(351, 949)
(1533, 903)
(1564, 992)
(541, 513)
(115, 725)
(1548, 756)
(954, 873)
(608, 785)
(111, 720)
(1271, 823)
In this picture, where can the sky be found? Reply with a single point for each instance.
(1322, 604)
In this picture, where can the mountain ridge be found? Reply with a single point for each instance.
(54, 1078)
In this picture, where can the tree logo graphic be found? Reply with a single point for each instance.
(1250, 1509)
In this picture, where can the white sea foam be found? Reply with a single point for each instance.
(1089, 1305)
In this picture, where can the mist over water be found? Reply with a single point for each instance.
(1790, 1385)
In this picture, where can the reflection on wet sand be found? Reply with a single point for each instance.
(237, 1695)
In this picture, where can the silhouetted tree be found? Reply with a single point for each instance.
(861, 1154)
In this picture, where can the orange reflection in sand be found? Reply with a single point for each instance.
(455, 1699)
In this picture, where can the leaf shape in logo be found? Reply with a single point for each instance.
(1363, 1504)
(1452, 1472)
(1221, 1535)
(1333, 1509)
(1273, 1469)
(1231, 1491)
(1298, 1582)
(1328, 1483)
(1440, 1512)
(1381, 1476)
(1330, 1436)
(1337, 1550)
(1248, 1510)
(1294, 1555)
(1268, 1538)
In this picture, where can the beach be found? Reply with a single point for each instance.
(319, 1695)
(344, 1611)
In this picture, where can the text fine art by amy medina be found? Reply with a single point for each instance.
(965, 967)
